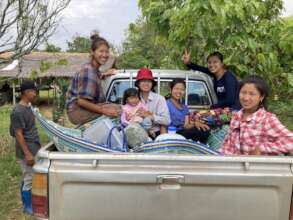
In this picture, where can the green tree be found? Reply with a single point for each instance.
(51, 48)
(250, 33)
(79, 44)
(144, 47)
(286, 51)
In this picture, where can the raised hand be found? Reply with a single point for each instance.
(186, 57)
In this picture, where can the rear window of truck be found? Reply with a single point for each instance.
(196, 95)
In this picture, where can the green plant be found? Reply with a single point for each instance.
(45, 65)
(59, 102)
(51, 48)
(144, 47)
(34, 74)
(61, 62)
(79, 44)
(250, 33)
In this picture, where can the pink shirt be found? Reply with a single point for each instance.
(129, 113)
(262, 131)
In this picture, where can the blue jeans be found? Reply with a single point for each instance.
(27, 175)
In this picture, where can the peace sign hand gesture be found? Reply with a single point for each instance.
(186, 57)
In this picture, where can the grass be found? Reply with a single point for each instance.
(10, 174)
(10, 171)
(46, 96)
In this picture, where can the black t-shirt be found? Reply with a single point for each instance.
(226, 88)
(23, 118)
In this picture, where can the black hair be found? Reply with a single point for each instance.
(128, 93)
(173, 83)
(216, 54)
(97, 41)
(260, 84)
(154, 83)
(26, 85)
(176, 81)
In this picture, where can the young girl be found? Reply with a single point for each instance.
(253, 130)
(131, 108)
(226, 84)
(131, 105)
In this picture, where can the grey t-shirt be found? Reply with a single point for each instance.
(23, 118)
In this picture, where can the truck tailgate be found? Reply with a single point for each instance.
(158, 187)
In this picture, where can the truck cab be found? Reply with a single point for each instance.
(199, 87)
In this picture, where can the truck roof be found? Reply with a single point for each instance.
(161, 73)
(164, 73)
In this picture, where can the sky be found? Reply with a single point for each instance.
(288, 4)
(110, 17)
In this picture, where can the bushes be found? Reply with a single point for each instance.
(251, 34)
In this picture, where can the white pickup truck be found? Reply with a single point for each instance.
(131, 186)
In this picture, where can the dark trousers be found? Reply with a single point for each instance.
(195, 134)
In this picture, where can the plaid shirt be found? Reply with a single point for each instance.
(85, 84)
(260, 133)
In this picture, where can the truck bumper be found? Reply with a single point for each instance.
(38, 218)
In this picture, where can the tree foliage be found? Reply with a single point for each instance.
(51, 48)
(79, 44)
(144, 47)
(59, 101)
(250, 33)
(25, 24)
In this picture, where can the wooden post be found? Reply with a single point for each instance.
(55, 92)
(13, 89)
(49, 96)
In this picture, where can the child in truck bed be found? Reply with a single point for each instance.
(131, 106)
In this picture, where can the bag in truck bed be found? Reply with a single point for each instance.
(105, 132)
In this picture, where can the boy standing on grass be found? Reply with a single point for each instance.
(24, 129)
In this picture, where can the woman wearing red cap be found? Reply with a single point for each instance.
(156, 104)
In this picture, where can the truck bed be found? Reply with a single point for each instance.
(157, 187)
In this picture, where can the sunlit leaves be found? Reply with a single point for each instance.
(250, 33)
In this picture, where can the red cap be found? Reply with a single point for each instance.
(144, 73)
